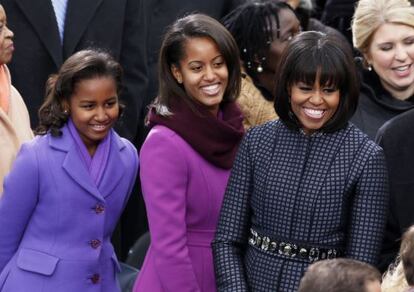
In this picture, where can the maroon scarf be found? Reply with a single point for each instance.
(216, 139)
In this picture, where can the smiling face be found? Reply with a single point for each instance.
(94, 109)
(203, 72)
(313, 104)
(6, 39)
(391, 54)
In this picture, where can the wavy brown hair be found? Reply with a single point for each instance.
(83, 65)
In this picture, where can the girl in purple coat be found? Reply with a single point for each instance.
(68, 186)
(187, 156)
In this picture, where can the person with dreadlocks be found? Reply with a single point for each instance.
(262, 29)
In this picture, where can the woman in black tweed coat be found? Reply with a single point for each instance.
(308, 187)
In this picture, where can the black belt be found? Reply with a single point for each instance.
(292, 250)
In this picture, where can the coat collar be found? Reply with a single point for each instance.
(41, 15)
(72, 162)
(79, 14)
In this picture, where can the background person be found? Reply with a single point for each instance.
(396, 140)
(401, 276)
(383, 31)
(262, 29)
(14, 118)
(341, 275)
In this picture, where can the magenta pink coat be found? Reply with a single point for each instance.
(183, 195)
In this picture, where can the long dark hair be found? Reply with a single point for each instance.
(173, 50)
(83, 65)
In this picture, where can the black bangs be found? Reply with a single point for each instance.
(319, 63)
(310, 56)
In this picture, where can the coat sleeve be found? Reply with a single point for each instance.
(369, 210)
(234, 223)
(164, 178)
(19, 199)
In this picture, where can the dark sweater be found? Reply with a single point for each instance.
(397, 139)
(376, 105)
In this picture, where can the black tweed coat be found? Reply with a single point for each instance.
(323, 190)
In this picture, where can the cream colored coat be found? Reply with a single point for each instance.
(255, 108)
(14, 130)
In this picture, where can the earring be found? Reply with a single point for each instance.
(369, 67)
(65, 111)
(259, 68)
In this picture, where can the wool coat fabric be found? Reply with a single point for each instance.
(14, 130)
(256, 109)
(323, 190)
(183, 193)
(397, 139)
(56, 224)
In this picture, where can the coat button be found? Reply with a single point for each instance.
(95, 243)
(99, 208)
(95, 278)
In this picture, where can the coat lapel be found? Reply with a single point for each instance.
(78, 15)
(115, 167)
(72, 163)
(42, 17)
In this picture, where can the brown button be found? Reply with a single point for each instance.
(99, 208)
(95, 278)
(95, 243)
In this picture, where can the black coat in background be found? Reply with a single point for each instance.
(337, 14)
(397, 139)
(376, 105)
(115, 25)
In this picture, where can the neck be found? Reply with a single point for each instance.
(400, 94)
(266, 79)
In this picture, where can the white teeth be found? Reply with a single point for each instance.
(402, 68)
(99, 127)
(211, 89)
(314, 113)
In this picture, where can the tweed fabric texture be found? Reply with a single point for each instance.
(325, 190)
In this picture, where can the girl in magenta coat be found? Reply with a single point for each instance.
(187, 156)
(68, 186)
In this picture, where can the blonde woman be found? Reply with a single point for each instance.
(401, 277)
(383, 31)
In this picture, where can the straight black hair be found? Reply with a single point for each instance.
(313, 55)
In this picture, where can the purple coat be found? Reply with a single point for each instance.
(55, 224)
(183, 195)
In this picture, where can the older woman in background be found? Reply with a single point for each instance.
(14, 118)
(383, 31)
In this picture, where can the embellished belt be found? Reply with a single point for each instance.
(292, 250)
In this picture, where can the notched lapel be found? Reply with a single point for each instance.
(78, 15)
(115, 167)
(41, 15)
(75, 168)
